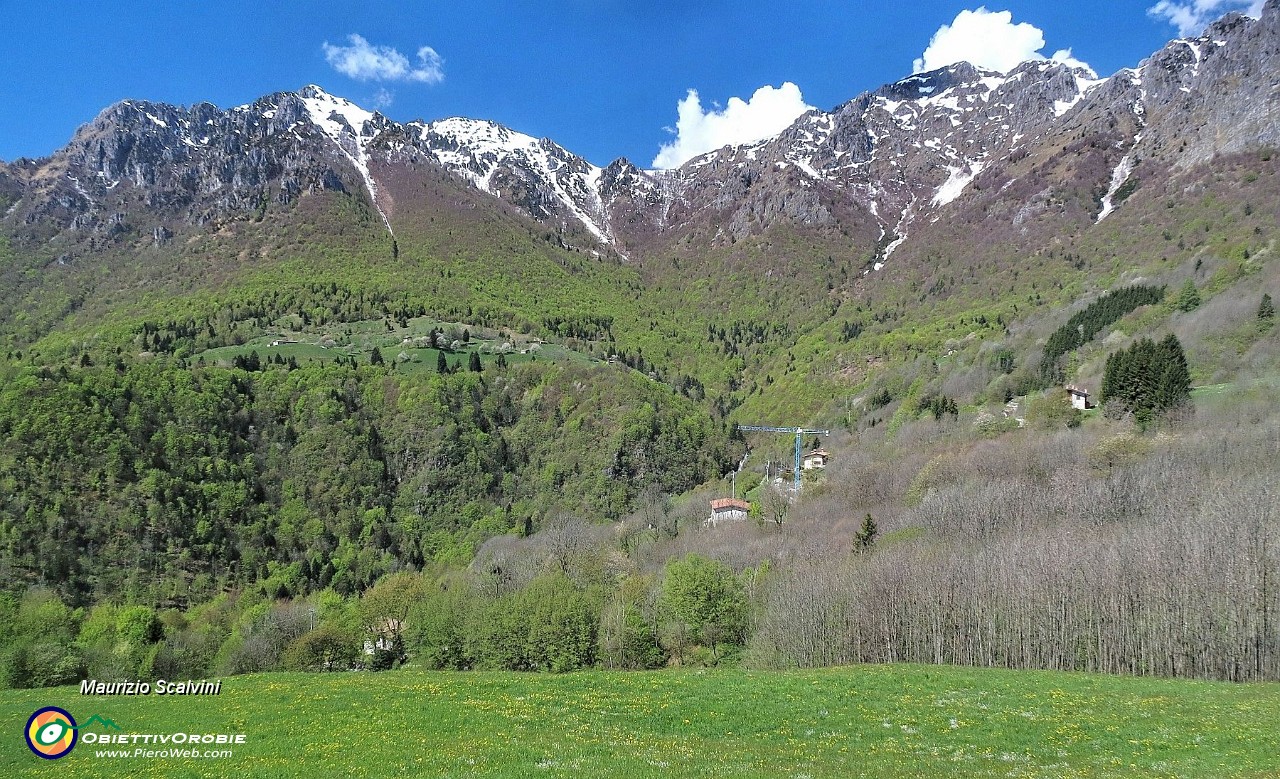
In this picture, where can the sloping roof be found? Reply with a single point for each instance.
(819, 453)
(721, 504)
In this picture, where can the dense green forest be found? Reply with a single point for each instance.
(1093, 547)
(165, 485)
(187, 505)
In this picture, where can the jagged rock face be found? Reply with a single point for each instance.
(909, 150)
(194, 166)
(904, 151)
(884, 163)
(1216, 94)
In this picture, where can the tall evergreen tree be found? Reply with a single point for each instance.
(1148, 378)
(1266, 309)
(1188, 297)
(866, 535)
(1174, 386)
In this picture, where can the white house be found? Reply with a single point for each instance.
(384, 634)
(818, 458)
(1079, 397)
(382, 642)
(728, 508)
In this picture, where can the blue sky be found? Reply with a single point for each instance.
(604, 78)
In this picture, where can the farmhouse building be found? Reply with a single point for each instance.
(384, 635)
(818, 458)
(728, 508)
(1079, 397)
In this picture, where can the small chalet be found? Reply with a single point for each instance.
(728, 508)
(818, 458)
(1079, 397)
(384, 633)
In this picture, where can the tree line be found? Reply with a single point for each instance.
(1147, 378)
(561, 619)
(1084, 325)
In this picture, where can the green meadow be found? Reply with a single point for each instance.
(873, 721)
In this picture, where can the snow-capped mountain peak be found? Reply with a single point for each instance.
(890, 162)
(336, 116)
(538, 174)
(351, 128)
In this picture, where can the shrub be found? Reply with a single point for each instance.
(706, 598)
(327, 648)
(1052, 411)
(32, 664)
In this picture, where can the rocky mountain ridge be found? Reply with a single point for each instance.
(885, 163)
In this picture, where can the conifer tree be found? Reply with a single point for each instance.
(866, 536)
(1188, 297)
(1266, 309)
(1148, 378)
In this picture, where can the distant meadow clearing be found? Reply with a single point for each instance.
(873, 721)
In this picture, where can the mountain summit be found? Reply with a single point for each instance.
(888, 159)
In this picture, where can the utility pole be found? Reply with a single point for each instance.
(799, 433)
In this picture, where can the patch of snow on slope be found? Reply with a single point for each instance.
(899, 230)
(806, 166)
(992, 83)
(477, 148)
(1083, 87)
(942, 101)
(344, 122)
(1118, 177)
(957, 180)
(1195, 51)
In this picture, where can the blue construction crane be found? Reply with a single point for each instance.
(799, 432)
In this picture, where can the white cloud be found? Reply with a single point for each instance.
(1064, 56)
(363, 61)
(988, 40)
(383, 98)
(1192, 16)
(698, 131)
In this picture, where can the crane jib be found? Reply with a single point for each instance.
(799, 433)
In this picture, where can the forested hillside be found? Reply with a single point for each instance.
(167, 484)
(297, 385)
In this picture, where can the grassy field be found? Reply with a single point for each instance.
(358, 339)
(874, 721)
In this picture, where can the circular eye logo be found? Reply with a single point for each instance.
(51, 732)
